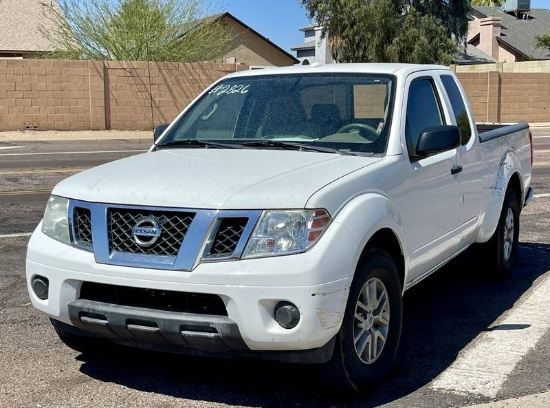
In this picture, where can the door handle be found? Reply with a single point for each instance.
(456, 170)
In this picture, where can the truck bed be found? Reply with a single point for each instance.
(492, 130)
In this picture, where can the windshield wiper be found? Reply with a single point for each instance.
(296, 146)
(198, 143)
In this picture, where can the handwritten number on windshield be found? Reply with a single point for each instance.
(229, 89)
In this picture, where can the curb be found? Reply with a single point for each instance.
(50, 135)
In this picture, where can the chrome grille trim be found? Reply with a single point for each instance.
(224, 238)
(82, 227)
(194, 235)
(121, 221)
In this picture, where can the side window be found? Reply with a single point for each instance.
(423, 111)
(459, 108)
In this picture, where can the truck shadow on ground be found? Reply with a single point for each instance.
(443, 314)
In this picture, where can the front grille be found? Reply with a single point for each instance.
(82, 220)
(228, 235)
(173, 225)
(167, 238)
(182, 302)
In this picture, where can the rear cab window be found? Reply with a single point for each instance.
(459, 108)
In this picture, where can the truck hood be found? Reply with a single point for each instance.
(212, 178)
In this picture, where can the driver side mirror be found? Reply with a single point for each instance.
(437, 139)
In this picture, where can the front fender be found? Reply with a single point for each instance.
(367, 214)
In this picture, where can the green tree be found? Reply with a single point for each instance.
(421, 40)
(136, 30)
(543, 41)
(488, 3)
(450, 14)
(427, 31)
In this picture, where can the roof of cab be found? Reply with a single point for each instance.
(374, 68)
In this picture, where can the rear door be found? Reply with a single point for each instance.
(471, 175)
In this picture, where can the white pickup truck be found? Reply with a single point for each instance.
(282, 215)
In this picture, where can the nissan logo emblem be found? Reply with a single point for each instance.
(146, 232)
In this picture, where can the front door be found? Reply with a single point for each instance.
(430, 201)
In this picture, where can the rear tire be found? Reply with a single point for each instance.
(499, 253)
(369, 336)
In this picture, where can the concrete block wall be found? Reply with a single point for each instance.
(539, 66)
(508, 96)
(143, 95)
(508, 91)
(475, 85)
(527, 96)
(98, 95)
(48, 94)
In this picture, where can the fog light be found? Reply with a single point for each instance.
(287, 315)
(40, 287)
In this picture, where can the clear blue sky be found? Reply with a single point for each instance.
(280, 20)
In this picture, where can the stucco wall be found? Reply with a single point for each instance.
(250, 49)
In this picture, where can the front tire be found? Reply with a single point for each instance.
(369, 336)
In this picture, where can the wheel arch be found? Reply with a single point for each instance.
(508, 177)
(387, 240)
(374, 221)
(516, 185)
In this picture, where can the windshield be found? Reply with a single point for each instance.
(334, 112)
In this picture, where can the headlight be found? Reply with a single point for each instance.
(55, 223)
(283, 232)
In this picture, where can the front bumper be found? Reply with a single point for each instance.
(315, 282)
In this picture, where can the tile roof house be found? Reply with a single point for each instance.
(508, 34)
(21, 23)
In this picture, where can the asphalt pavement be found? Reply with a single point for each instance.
(51, 135)
(145, 135)
(15, 137)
